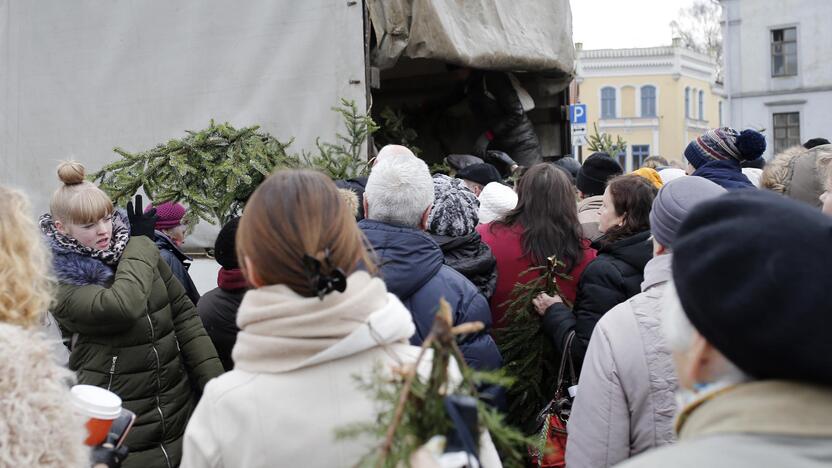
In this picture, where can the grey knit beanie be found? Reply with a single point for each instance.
(674, 201)
(454, 212)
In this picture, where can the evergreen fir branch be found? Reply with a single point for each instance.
(411, 407)
(528, 354)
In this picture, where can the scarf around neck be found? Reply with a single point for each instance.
(281, 331)
(64, 244)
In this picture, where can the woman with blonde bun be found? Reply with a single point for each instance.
(130, 327)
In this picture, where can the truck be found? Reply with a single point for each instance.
(80, 78)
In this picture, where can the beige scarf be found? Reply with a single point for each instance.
(281, 330)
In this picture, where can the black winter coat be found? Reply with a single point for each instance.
(472, 257)
(613, 277)
(495, 101)
(218, 311)
(178, 263)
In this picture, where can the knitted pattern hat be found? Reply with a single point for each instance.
(595, 172)
(225, 247)
(750, 270)
(722, 144)
(496, 200)
(168, 214)
(674, 201)
(454, 212)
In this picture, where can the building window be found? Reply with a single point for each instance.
(687, 102)
(648, 101)
(640, 153)
(622, 160)
(608, 103)
(786, 131)
(721, 123)
(784, 52)
(701, 105)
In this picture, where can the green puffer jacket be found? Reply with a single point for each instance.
(137, 334)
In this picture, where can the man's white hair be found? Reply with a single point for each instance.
(679, 333)
(399, 189)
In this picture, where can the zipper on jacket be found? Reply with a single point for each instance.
(112, 372)
(158, 388)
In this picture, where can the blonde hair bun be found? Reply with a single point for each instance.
(71, 172)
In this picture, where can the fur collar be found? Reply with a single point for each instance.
(80, 270)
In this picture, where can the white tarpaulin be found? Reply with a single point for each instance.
(80, 77)
(529, 35)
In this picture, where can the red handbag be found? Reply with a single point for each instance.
(552, 420)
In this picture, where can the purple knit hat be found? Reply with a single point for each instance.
(168, 214)
(725, 144)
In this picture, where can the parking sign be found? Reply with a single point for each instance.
(577, 114)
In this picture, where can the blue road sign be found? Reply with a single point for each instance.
(577, 113)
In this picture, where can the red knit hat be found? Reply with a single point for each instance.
(168, 214)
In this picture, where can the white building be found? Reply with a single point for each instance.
(778, 68)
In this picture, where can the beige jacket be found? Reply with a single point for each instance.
(757, 424)
(294, 380)
(626, 396)
(588, 216)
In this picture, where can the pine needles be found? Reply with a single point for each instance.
(412, 406)
(215, 170)
(529, 357)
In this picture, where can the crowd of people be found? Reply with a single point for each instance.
(692, 302)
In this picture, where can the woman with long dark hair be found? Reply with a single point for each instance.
(543, 224)
(615, 275)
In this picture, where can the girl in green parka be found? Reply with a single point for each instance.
(127, 321)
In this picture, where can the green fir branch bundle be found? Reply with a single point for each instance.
(411, 407)
(603, 143)
(529, 357)
(215, 170)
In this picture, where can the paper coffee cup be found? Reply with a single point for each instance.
(100, 406)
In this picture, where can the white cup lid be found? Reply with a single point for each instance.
(96, 402)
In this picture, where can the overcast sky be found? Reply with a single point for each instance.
(615, 24)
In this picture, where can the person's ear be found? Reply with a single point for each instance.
(477, 190)
(425, 221)
(60, 227)
(658, 248)
(700, 361)
(250, 273)
(366, 207)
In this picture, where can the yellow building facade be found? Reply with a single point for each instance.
(657, 99)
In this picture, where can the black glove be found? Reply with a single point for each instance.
(109, 456)
(141, 224)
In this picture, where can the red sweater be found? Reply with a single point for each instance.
(507, 246)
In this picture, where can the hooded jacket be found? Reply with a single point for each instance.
(295, 381)
(472, 257)
(412, 266)
(626, 398)
(725, 173)
(613, 277)
(178, 263)
(135, 333)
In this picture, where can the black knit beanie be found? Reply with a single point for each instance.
(225, 246)
(595, 172)
(751, 269)
(482, 173)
